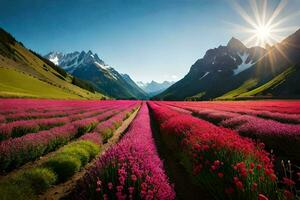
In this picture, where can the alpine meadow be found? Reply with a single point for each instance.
(150, 100)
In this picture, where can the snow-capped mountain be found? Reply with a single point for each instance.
(153, 88)
(88, 66)
(212, 75)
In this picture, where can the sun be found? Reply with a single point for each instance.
(263, 33)
(264, 25)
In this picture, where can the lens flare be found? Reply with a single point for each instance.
(264, 27)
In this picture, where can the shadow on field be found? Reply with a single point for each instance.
(184, 187)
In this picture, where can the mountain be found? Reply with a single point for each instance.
(276, 75)
(210, 76)
(153, 88)
(88, 66)
(127, 78)
(24, 73)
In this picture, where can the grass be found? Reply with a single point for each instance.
(250, 88)
(27, 76)
(272, 83)
(245, 87)
(17, 84)
(29, 183)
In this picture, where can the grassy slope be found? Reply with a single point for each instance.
(29, 76)
(250, 88)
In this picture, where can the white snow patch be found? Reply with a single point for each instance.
(106, 67)
(54, 60)
(206, 73)
(244, 65)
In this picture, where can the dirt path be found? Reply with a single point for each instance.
(184, 187)
(59, 191)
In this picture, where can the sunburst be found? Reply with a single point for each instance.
(263, 27)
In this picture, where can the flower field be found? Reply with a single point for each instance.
(109, 149)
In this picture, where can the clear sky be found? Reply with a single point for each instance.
(147, 39)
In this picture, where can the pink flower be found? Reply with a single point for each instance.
(110, 186)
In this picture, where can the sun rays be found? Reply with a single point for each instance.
(265, 26)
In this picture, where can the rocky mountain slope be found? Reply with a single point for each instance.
(237, 72)
(88, 66)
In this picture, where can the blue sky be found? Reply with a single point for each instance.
(148, 39)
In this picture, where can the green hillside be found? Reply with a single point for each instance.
(25, 74)
(251, 89)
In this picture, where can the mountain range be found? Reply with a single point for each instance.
(89, 67)
(237, 72)
(24, 73)
(228, 72)
(153, 88)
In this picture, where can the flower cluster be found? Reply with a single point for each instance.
(17, 151)
(220, 160)
(129, 170)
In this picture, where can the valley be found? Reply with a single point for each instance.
(150, 100)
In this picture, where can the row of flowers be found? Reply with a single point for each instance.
(27, 184)
(224, 163)
(23, 127)
(131, 169)
(283, 138)
(262, 112)
(17, 151)
(285, 107)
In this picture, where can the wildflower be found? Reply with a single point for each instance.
(288, 181)
(273, 177)
(239, 185)
(262, 197)
(254, 186)
(98, 181)
(220, 174)
(133, 177)
(131, 189)
(119, 188)
(110, 185)
(258, 167)
(288, 195)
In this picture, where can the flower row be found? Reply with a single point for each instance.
(129, 170)
(219, 160)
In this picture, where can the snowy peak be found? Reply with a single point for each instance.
(54, 57)
(153, 87)
(88, 66)
(228, 60)
(70, 61)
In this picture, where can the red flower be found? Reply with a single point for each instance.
(288, 194)
(254, 186)
(288, 181)
(273, 177)
(259, 166)
(220, 174)
(239, 185)
(262, 197)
